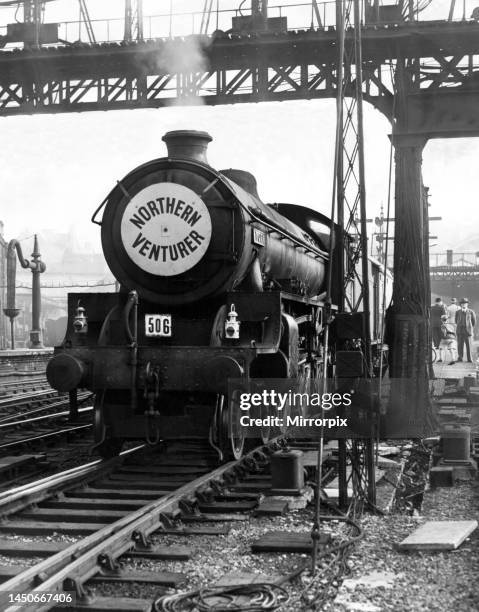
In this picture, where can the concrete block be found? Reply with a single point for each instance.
(441, 476)
(438, 535)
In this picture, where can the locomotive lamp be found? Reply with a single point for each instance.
(232, 325)
(80, 321)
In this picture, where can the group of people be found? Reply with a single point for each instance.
(452, 326)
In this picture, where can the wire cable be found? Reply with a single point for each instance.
(335, 558)
(222, 599)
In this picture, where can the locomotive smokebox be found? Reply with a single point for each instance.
(177, 231)
(187, 144)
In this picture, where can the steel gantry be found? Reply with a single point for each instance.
(440, 60)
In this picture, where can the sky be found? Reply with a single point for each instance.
(56, 169)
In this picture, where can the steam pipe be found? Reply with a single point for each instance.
(132, 335)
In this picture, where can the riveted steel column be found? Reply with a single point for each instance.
(409, 324)
(411, 227)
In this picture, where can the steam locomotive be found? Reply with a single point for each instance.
(214, 285)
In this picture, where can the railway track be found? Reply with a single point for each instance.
(116, 506)
(27, 454)
(13, 402)
(53, 403)
(31, 383)
(33, 429)
(37, 437)
(26, 435)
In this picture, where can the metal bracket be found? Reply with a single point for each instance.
(141, 540)
(166, 521)
(108, 563)
(72, 584)
(240, 470)
(251, 464)
(230, 477)
(39, 578)
(217, 487)
(260, 458)
(206, 495)
(188, 506)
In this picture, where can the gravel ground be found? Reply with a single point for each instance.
(381, 579)
(215, 556)
(416, 580)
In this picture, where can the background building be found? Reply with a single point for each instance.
(71, 266)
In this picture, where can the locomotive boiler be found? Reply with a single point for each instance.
(214, 285)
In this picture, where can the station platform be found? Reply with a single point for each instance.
(456, 398)
(457, 371)
(461, 369)
(23, 361)
(25, 352)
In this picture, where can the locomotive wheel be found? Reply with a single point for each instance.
(265, 434)
(230, 436)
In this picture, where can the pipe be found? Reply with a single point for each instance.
(132, 335)
(37, 267)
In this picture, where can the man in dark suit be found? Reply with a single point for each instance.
(465, 321)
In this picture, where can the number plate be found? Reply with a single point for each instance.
(158, 325)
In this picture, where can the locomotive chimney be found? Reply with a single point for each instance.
(189, 144)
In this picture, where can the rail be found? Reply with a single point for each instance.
(35, 438)
(62, 401)
(45, 417)
(80, 560)
(23, 495)
(13, 385)
(28, 397)
(300, 15)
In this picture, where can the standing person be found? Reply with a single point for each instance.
(437, 311)
(448, 340)
(465, 321)
(451, 311)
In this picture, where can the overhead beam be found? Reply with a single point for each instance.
(276, 67)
